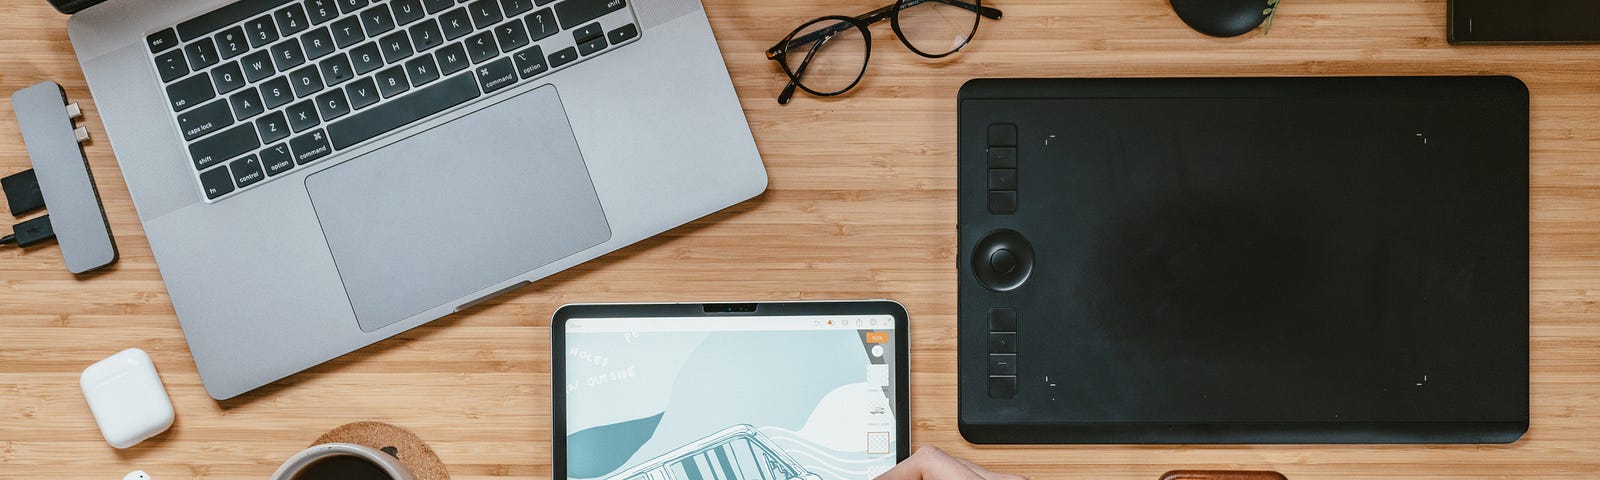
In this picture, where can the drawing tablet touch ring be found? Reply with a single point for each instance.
(1003, 260)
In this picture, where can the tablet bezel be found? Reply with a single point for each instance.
(558, 370)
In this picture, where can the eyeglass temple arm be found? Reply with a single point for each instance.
(872, 17)
(788, 90)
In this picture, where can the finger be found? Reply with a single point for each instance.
(988, 474)
(930, 464)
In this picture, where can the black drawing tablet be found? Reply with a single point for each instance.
(1313, 260)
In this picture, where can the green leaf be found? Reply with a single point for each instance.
(1271, 12)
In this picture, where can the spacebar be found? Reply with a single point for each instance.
(402, 111)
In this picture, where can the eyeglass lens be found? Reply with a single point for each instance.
(937, 27)
(831, 64)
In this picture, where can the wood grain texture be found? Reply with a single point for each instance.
(861, 205)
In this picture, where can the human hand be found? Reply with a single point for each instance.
(931, 463)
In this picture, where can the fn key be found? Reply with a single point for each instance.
(216, 182)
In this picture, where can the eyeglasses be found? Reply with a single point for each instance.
(827, 56)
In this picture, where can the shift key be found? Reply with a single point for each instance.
(577, 12)
(224, 146)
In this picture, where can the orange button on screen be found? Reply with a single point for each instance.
(877, 337)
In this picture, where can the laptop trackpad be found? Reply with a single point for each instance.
(457, 208)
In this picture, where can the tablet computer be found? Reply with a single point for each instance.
(759, 391)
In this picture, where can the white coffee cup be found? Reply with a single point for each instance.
(297, 463)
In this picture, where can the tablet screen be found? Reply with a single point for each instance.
(731, 398)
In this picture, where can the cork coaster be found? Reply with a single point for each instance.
(1221, 475)
(401, 443)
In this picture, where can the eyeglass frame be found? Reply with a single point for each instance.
(862, 22)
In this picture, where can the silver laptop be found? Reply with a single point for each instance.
(317, 175)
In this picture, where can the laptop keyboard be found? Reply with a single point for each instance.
(260, 87)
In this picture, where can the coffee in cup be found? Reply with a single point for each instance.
(342, 461)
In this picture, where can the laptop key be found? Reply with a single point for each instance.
(347, 32)
(228, 77)
(257, 65)
(276, 92)
(407, 11)
(347, 6)
(306, 81)
(205, 119)
(496, 75)
(321, 11)
(392, 82)
(292, 19)
(303, 116)
(162, 40)
(223, 146)
(216, 183)
(452, 59)
(426, 35)
(261, 31)
(456, 23)
(484, 13)
(378, 20)
(336, 69)
(587, 32)
(592, 46)
(481, 47)
(171, 65)
(189, 92)
(563, 57)
(333, 104)
(246, 171)
(366, 58)
(272, 127)
(541, 24)
(276, 159)
(623, 34)
(246, 104)
(396, 47)
(577, 12)
(422, 70)
(511, 35)
(436, 6)
(530, 62)
(402, 111)
(287, 55)
(310, 147)
(232, 43)
(362, 93)
(201, 54)
(513, 8)
(318, 43)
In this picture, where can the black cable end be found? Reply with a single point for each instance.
(32, 232)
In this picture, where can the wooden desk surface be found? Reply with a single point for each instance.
(848, 215)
